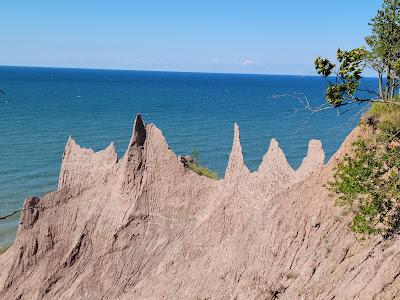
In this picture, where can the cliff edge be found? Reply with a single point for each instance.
(145, 227)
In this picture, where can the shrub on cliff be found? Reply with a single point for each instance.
(367, 181)
(196, 167)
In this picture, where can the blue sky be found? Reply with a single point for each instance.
(272, 37)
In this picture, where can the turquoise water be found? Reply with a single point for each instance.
(43, 106)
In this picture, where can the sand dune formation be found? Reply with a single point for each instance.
(145, 227)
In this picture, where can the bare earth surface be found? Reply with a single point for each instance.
(145, 227)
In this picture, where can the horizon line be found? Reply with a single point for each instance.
(160, 71)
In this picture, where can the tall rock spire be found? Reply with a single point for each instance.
(236, 167)
(139, 133)
(134, 158)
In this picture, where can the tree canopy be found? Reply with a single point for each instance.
(382, 54)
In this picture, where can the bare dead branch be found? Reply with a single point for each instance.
(367, 90)
(15, 212)
(303, 100)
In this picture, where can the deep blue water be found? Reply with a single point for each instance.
(43, 106)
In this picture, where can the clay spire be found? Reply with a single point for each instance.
(139, 132)
(236, 166)
(314, 160)
(134, 156)
(275, 162)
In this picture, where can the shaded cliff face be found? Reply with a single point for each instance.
(145, 227)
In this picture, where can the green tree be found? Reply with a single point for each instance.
(383, 56)
(384, 43)
(367, 181)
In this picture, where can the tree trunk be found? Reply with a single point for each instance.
(388, 80)
(380, 85)
(393, 88)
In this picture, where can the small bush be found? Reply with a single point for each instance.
(196, 167)
(379, 109)
(386, 113)
(203, 171)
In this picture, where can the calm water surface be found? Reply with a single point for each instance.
(43, 106)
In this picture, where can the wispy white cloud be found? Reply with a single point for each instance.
(248, 62)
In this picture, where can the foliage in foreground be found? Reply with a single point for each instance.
(196, 167)
(367, 181)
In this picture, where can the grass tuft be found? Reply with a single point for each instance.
(201, 170)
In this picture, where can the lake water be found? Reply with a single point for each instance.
(43, 106)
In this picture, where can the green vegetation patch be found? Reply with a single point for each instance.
(367, 181)
(196, 167)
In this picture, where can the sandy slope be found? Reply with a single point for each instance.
(144, 227)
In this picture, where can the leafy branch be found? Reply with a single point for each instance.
(383, 56)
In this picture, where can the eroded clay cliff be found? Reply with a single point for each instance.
(145, 227)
